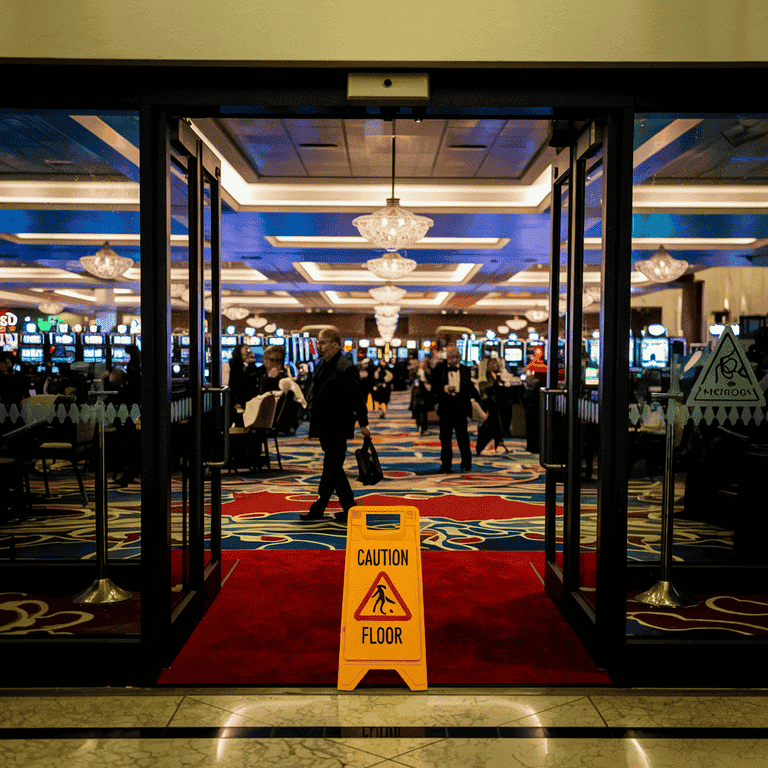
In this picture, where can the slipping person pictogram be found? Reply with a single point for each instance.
(381, 597)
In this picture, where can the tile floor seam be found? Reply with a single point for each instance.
(599, 713)
(230, 712)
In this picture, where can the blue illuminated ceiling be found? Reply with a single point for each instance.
(701, 188)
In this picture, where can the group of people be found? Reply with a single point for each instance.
(340, 392)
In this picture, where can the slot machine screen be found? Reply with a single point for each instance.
(32, 338)
(402, 353)
(94, 355)
(63, 353)
(118, 338)
(654, 353)
(183, 341)
(373, 353)
(593, 348)
(226, 354)
(120, 355)
(229, 341)
(591, 377)
(9, 341)
(184, 354)
(252, 341)
(513, 355)
(31, 354)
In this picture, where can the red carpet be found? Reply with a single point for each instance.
(277, 622)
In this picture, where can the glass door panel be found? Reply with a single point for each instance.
(589, 373)
(180, 350)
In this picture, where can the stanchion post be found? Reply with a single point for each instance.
(663, 593)
(102, 589)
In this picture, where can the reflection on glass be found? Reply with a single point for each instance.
(64, 468)
(719, 456)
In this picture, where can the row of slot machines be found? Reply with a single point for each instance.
(515, 353)
(299, 348)
(47, 352)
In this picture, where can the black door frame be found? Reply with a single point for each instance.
(600, 626)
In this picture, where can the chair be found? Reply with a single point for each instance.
(17, 458)
(73, 451)
(258, 421)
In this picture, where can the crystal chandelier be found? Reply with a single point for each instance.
(256, 321)
(392, 227)
(662, 267)
(591, 295)
(516, 323)
(106, 264)
(235, 313)
(391, 266)
(387, 293)
(50, 308)
(537, 315)
(386, 310)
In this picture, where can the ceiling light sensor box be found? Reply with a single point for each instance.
(373, 88)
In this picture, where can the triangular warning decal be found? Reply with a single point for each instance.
(382, 602)
(727, 377)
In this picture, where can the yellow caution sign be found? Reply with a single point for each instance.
(382, 620)
(727, 378)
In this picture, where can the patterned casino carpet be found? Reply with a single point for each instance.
(497, 507)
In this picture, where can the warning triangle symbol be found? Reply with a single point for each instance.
(727, 378)
(382, 602)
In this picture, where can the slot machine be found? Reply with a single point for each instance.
(62, 348)
(117, 346)
(514, 354)
(228, 343)
(94, 347)
(32, 350)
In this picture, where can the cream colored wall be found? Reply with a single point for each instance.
(741, 290)
(671, 303)
(416, 31)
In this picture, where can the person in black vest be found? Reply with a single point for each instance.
(453, 391)
(337, 402)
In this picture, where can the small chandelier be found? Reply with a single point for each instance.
(502, 330)
(387, 293)
(516, 324)
(235, 313)
(50, 308)
(256, 321)
(392, 227)
(662, 267)
(537, 315)
(106, 264)
(391, 266)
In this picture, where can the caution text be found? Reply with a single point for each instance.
(381, 557)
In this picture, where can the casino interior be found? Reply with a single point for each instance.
(610, 263)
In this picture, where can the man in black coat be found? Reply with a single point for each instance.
(337, 402)
(453, 391)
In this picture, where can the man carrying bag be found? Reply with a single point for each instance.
(368, 465)
(337, 402)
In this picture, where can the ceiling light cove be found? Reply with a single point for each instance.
(426, 243)
(356, 274)
(428, 301)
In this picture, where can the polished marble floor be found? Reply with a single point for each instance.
(595, 727)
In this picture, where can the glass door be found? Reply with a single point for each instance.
(199, 400)
(582, 449)
(185, 444)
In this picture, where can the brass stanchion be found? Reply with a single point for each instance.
(102, 589)
(663, 593)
